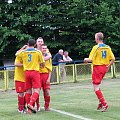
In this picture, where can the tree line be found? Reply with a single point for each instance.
(66, 24)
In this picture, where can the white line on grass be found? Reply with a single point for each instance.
(70, 114)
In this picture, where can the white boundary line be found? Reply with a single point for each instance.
(70, 114)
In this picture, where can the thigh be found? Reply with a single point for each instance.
(28, 82)
(35, 76)
(45, 78)
(20, 86)
(98, 74)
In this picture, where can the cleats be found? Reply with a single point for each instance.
(104, 108)
(47, 109)
(99, 106)
(31, 108)
(22, 111)
(38, 107)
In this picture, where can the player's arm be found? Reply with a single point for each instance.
(112, 60)
(48, 80)
(24, 47)
(86, 60)
(111, 63)
(41, 59)
(18, 64)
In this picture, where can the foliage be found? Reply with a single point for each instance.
(69, 24)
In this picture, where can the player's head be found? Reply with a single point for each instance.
(39, 41)
(60, 51)
(66, 53)
(31, 43)
(44, 48)
(99, 36)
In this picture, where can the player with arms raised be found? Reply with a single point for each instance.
(102, 58)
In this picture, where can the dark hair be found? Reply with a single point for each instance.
(31, 42)
(44, 45)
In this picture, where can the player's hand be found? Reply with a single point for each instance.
(48, 82)
(25, 46)
(108, 67)
(86, 60)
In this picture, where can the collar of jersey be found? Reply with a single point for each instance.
(102, 45)
(30, 49)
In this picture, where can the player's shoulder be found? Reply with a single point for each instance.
(95, 46)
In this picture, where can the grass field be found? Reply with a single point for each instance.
(74, 98)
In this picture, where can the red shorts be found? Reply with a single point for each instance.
(32, 79)
(99, 72)
(43, 79)
(20, 86)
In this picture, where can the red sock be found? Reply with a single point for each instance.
(33, 98)
(20, 103)
(38, 103)
(27, 98)
(100, 97)
(47, 101)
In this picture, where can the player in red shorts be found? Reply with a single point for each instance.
(45, 75)
(19, 79)
(102, 58)
(31, 59)
(39, 43)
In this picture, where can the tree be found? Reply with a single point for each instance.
(69, 24)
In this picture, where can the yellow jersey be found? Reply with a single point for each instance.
(31, 59)
(48, 65)
(19, 72)
(101, 54)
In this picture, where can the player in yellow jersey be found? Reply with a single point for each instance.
(45, 75)
(19, 79)
(39, 43)
(102, 58)
(31, 59)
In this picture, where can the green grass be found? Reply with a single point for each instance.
(75, 98)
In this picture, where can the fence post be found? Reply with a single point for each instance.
(74, 69)
(113, 70)
(5, 79)
(58, 73)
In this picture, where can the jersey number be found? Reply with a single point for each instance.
(29, 57)
(104, 53)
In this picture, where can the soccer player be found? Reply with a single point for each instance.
(39, 44)
(32, 60)
(45, 75)
(19, 79)
(102, 58)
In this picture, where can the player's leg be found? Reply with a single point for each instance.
(21, 99)
(46, 91)
(46, 99)
(36, 88)
(97, 76)
(33, 99)
(38, 100)
(102, 102)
